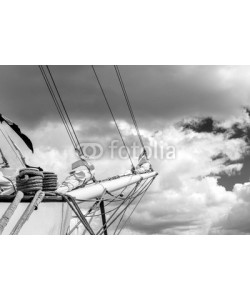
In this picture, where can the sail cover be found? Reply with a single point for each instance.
(6, 187)
(80, 175)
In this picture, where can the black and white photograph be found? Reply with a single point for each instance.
(135, 150)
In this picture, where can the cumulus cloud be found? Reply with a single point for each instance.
(186, 197)
(237, 220)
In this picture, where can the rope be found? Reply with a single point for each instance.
(130, 202)
(73, 137)
(10, 211)
(95, 207)
(138, 190)
(107, 102)
(122, 216)
(124, 210)
(93, 215)
(28, 211)
(58, 107)
(49, 182)
(129, 105)
(77, 211)
(60, 98)
(124, 224)
(128, 197)
(110, 201)
(29, 181)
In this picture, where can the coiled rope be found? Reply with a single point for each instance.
(29, 181)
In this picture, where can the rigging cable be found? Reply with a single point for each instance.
(57, 106)
(144, 192)
(110, 218)
(64, 108)
(130, 198)
(142, 188)
(129, 106)
(104, 95)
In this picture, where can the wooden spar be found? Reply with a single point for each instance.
(96, 189)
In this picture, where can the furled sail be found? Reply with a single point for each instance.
(82, 172)
(144, 164)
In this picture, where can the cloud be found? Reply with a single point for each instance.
(234, 129)
(237, 220)
(157, 93)
(186, 197)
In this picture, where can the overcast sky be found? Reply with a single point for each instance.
(204, 190)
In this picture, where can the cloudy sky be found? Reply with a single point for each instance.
(201, 111)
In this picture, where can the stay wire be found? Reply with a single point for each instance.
(57, 106)
(129, 105)
(142, 190)
(126, 97)
(109, 202)
(65, 110)
(130, 202)
(122, 227)
(135, 196)
(107, 102)
(113, 209)
(106, 224)
(122, 216)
